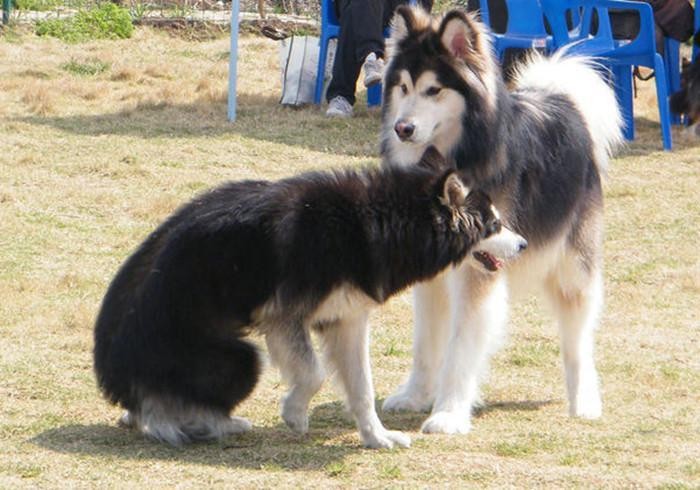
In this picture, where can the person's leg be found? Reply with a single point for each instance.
(367, 25)
(346, 68)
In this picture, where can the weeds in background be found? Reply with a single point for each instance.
(107, 21)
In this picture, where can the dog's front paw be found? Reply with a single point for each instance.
(406, 401)
(238, 425)
(585, 402)
(126, 420)
(386, 439)
(587, 407)
(295, 418)
(447, 423)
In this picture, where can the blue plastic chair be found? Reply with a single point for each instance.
(525, 28)
(620, 55)
(330, 29)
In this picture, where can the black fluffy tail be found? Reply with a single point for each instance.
(164, 351)
(118, 310)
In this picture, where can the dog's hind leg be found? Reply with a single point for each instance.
(578, 307)
(291, 350)
(479, 318)
(432, 319)
(346, 345)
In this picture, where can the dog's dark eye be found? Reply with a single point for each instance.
(432, 91)
(404, 88)
(492, 226)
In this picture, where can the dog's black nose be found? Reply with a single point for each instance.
(404, 130)
(522, 246)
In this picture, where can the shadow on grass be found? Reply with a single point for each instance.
(412, 421)
(648, 138)
(262, 448)
(259, 117)
(513, 406)
(263, 118)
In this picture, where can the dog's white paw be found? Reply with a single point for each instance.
(587, 407)
(585, 402)
(406, 401)
(238, 425)
(447, 423)
(295, 418)
(386, 439)
(126, 420)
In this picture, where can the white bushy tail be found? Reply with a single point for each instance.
(578, 78)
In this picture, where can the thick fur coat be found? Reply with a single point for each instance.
(313, 252)
(540, 151)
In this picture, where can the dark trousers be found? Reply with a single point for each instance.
(362, 23)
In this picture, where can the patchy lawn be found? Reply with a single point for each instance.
(100, 141)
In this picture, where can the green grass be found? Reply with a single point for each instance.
(89, 67)
(90, 164)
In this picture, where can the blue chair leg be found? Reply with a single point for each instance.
(672, 64)
(321, 71)
(662, 99)
(374, 95)
(622, 75)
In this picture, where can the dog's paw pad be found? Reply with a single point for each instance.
(447, 423)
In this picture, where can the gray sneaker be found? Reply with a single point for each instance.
(339, 107)
(374, 69)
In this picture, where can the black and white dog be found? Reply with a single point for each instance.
(539, 151)
(313, 252)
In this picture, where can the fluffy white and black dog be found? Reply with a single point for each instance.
(539, 151)
(313, 252)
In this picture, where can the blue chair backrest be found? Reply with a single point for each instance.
(522, 17)
(602, 42)
(525, 18)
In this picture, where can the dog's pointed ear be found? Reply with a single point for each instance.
(452, 189)
(458, 34)
(409, 20)
(402, 23)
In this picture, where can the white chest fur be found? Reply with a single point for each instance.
(343, 302)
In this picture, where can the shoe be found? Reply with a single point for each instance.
(339, 107)
(374, 70)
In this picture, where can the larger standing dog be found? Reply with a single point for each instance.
(539, 151)
(313, 252)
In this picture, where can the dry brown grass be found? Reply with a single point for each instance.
(90, 165)
(39, 98)
(123, 74)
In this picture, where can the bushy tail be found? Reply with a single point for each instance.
(119, 303)
(579, 78)
(175, 391)
(196, 406)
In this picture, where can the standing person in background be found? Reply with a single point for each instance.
(361, 43)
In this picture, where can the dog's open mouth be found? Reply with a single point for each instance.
(487, 260)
